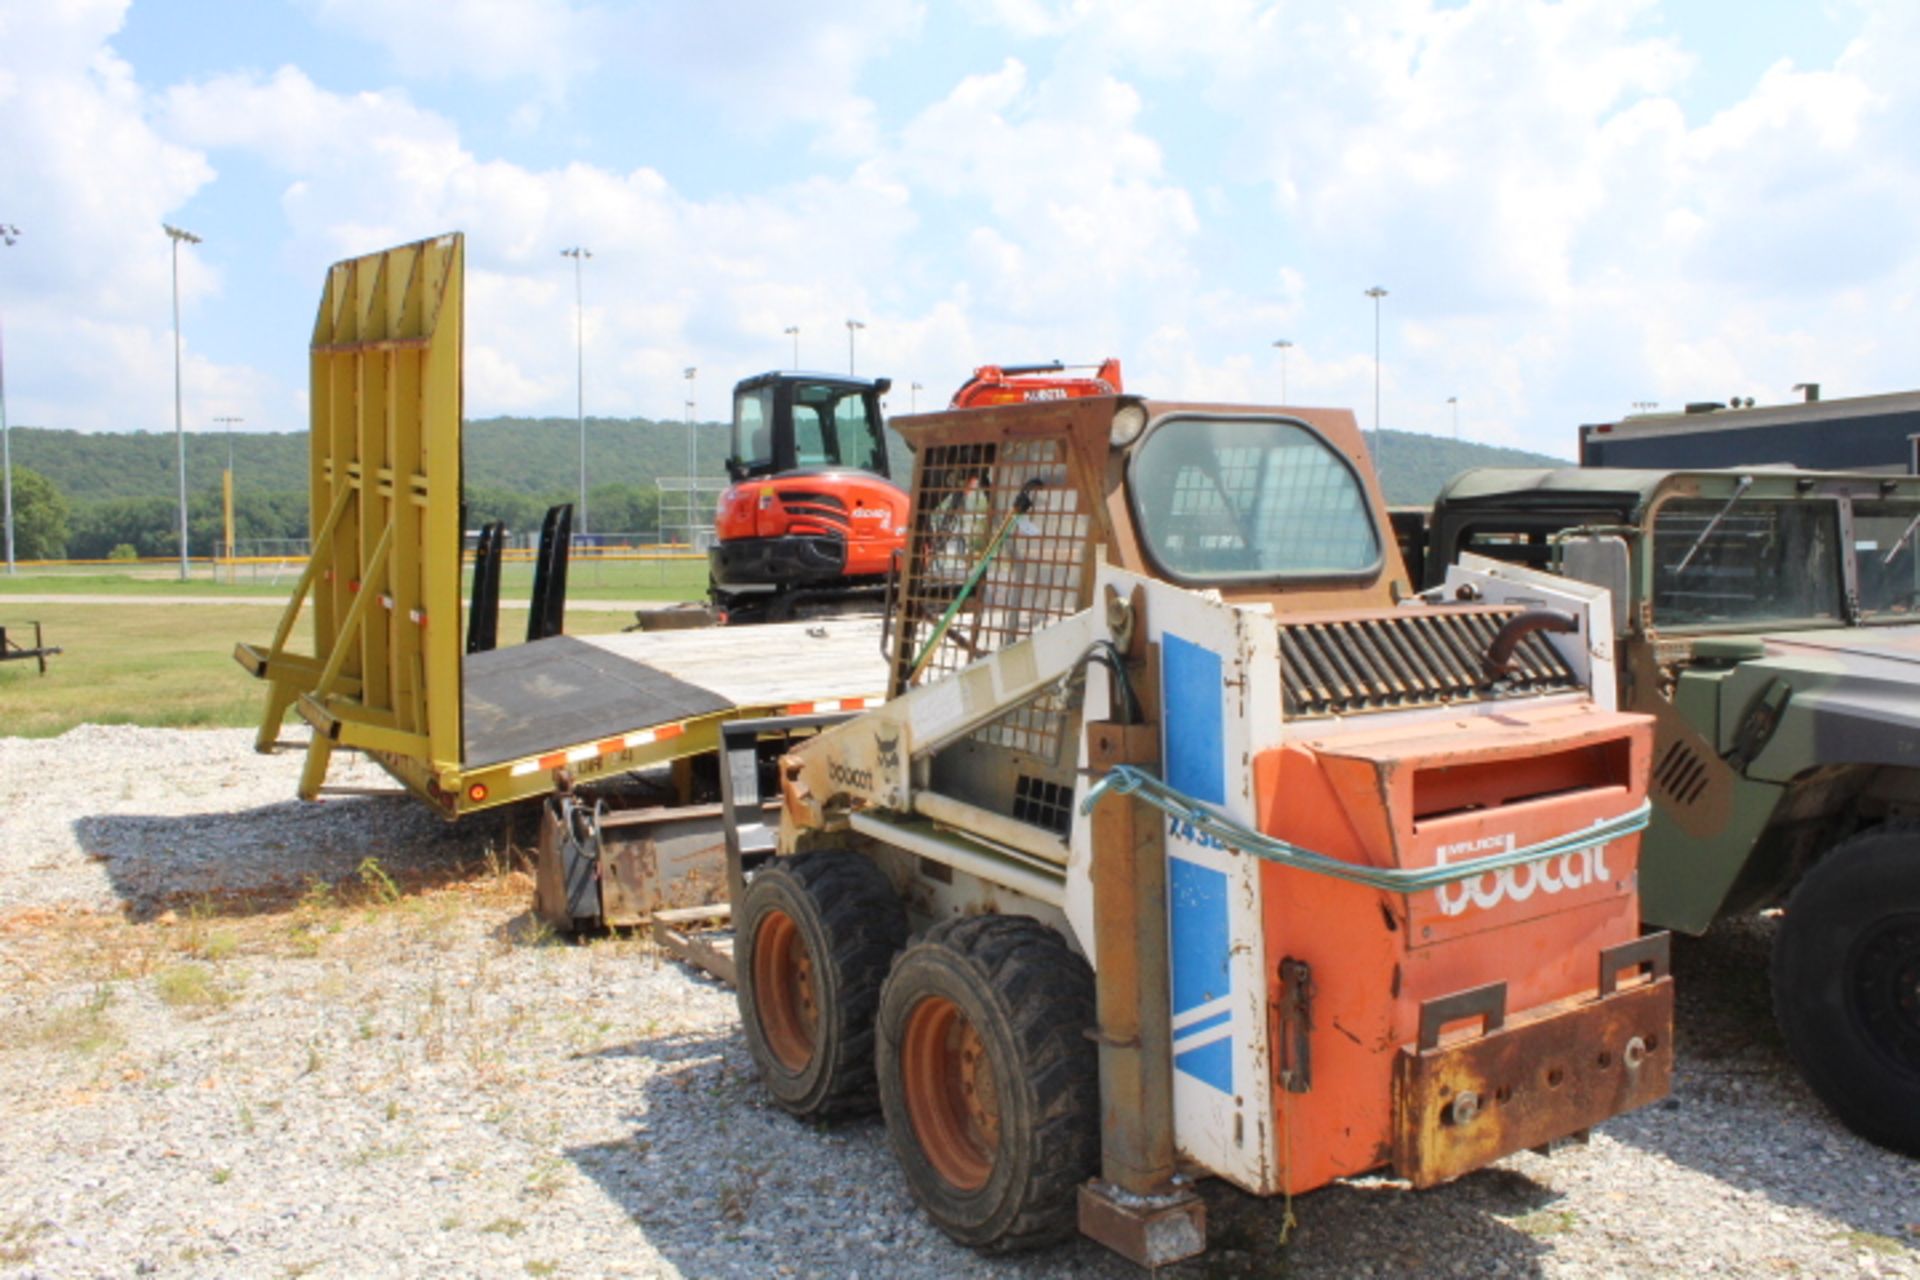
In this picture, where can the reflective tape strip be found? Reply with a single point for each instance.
(830, 704)
(604, 747)
(386, 601)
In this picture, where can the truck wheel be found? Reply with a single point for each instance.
(988, 1080)
(815, 934)
(1846, 983)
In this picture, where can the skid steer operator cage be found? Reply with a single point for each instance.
(989, 566)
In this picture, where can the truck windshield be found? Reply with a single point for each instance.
(1231, 499)
(1886, 553)
(1765, 561)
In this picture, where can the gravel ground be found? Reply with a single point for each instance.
(229, 1047)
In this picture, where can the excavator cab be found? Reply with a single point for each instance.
(783, 422)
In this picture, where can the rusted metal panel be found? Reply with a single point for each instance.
(1148, 1231)
(701, 936)
(1459, 1106)
(621, 867)
(653, 859)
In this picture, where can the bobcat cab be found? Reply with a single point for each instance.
(812, 518)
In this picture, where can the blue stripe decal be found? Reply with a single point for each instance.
(1190, 677)
(1197, 910)
(1212, 1064)
(1205, 1024)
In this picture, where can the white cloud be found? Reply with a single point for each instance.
(547, 41)
(86, 291)
(669, 276)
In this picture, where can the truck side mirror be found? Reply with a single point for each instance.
(1602, 560)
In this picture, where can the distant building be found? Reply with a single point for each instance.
(1863, 433)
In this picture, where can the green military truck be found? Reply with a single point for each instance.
(1769, 619)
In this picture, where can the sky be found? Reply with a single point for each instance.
(1573, 206)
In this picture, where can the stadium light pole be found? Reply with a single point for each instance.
(8, 235)
(693, 444)
(1454, 401)
(793, 331)
(1376, 293)
(913, 397)
(1645, 406)
(176, 235)
(1282, 345)
(580, 255)
(853, 326)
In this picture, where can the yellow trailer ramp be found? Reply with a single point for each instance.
(388, 674)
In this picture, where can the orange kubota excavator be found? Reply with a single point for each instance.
(812, 518)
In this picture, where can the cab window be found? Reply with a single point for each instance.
(1886, 555)
(1231, 499)
(753, 429)
(1752, 560)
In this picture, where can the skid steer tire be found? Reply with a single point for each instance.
(1846, 983)
(989, 1081)
(816, 933)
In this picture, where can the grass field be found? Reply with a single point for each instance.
(675, 579)
(160, 665)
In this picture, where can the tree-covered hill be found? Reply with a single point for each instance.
(120, 488)
(540, 456)
(525, 455)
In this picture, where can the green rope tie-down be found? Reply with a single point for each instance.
(1126, 779)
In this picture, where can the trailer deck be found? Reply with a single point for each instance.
(565, 695)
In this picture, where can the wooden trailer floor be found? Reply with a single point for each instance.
(529, 699)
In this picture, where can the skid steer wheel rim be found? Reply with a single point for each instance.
(1886, 989)
(784, 990)
(952, 1099)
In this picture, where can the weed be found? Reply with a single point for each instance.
(436, 914)
(504, 1227)
(537, 1268)
(1873, 1242)
(85, 1029)
(737, 1192)
(1546, 1222)
(16, 1240)
(246, 1119)
(450, 1223)
(547, 1178)
(393, 1110)
(219, 945)
(378, 884)
(319, 897)
(380, 1151)
(221, 1177)
(189, 986)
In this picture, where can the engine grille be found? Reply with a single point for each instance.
(816, 513)
(1405, 660)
